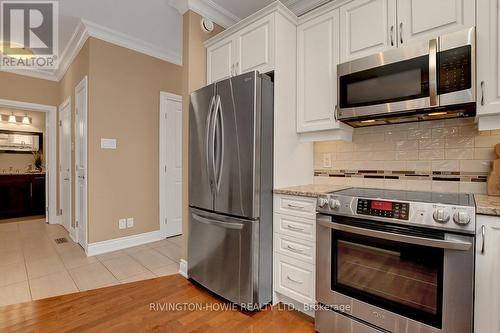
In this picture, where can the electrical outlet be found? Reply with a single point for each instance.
(130, 222)
(327, 160)
(122, 223)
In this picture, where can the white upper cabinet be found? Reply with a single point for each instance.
(254, 45)
(488, 64)
(249, 49)
(220, 58)
(367, 27)
(430, 18)
(317, 59)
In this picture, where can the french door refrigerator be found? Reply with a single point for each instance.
(230, 189)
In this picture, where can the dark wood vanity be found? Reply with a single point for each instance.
(22, 195)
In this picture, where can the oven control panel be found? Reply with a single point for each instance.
(388, 209)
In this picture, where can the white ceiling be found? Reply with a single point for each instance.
(152, 21)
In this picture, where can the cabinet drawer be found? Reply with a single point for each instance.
(296, 206)
(295, 226)
(294, 278)
(294, 247)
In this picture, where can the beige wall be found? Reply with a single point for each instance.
(124, 102)
(124, 98)
(78, 69)
(441, 156)
(194, 60)
(27, 89)
(21, 161)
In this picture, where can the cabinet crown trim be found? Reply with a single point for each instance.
(275, 7)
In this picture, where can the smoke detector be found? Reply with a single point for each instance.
(207, 25)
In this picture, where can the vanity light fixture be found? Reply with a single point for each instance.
(12, 118)
(26, 120)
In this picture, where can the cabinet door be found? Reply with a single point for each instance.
(37, 192)
(367, 27)
(220, 59)
(487, 295)
(488, 57)
(317, 59)
(254, 45)
(430, 18)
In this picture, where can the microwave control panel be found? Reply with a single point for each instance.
(389, 209)
(455, 69)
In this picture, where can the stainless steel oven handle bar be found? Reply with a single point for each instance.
(438, 243)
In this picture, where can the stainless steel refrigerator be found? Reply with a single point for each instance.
(230, 188)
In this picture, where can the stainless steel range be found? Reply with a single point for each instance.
(396, 261)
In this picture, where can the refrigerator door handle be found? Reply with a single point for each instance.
(210, 143)
(218, 223)
(219, 121)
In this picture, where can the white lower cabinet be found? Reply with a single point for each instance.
(294, 225)
(487, 290)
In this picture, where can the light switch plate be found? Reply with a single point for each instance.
(327, 160)
(108, 143)
(122, 223)
(130, 222)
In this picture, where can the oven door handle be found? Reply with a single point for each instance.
(438, 243)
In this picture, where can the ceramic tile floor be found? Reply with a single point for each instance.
(34, 266)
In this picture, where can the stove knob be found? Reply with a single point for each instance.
(441, 216)
(461, 218)
(322, 202)
(334, 203)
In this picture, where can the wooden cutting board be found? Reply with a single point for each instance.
(494, 176)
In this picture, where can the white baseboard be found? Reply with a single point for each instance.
(123, 243)
(183, 268)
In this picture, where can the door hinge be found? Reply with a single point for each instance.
(76, 224)
(165, 220)
(165, 169)
(60, 211)
(60, 122)
(165, 115)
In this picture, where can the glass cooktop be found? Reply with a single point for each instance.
(458, 199)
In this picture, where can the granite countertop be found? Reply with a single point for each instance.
(310, 190)
(487, 205)
(21, 173)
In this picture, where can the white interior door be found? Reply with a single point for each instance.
(171, 164)
(81, 162)
(65, 164)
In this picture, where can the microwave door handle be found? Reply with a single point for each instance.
(433, 53)
(429, 242)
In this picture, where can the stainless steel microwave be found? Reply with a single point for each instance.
(425, 80)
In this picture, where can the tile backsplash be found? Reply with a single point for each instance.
(442, 155)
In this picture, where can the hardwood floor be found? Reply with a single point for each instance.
(131, 308)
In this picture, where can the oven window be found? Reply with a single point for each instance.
(402, 278)
(396, 82)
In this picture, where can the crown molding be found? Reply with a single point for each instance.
(206, 8)
(83, 31)
(75, 44)
(300, 7)
(136, 44)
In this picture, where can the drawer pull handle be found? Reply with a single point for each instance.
(296, 206)
(291, 227)
(293, 280)
(291, 248)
